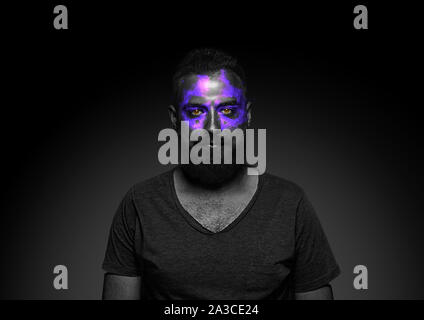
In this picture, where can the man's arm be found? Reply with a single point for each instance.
(116, 287)
(323, 293)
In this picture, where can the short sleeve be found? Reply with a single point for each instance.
(315, 265)
(120, 257)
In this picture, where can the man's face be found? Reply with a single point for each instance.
(213, 101)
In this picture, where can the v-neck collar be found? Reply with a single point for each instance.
(196, 224)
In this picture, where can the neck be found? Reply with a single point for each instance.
(238, 182)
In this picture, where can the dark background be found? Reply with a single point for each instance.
(82, 109)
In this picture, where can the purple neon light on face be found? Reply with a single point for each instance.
(213, 100)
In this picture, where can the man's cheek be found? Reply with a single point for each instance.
(228, 123)
(196, 123)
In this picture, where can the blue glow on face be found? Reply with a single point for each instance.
(213, 101)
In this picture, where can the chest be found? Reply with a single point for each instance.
(249, 261)
(214, 214)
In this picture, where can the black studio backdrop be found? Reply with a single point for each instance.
(82, 109)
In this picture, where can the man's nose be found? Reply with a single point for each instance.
(212, 122)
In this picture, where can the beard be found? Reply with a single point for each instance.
(211, 175)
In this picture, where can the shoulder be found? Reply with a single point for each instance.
(282, 187)
(280, 194)
(152, 186)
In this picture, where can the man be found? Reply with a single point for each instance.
(211, 231)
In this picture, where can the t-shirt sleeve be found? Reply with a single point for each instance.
(315, 265)
(120, 257)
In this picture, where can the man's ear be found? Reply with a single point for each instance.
(249, 112)
(173, 116)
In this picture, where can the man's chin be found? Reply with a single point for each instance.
(211, 175)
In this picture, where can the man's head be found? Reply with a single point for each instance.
(209, 92)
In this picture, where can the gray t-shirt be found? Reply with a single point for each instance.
(274, 248)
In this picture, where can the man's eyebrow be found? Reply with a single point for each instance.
(231, 102)
(193, 105)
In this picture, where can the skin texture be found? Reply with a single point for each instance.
(208, 101)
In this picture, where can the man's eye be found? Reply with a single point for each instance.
(196, 112)
(227, 111)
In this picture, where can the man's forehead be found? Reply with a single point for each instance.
(211, 80)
